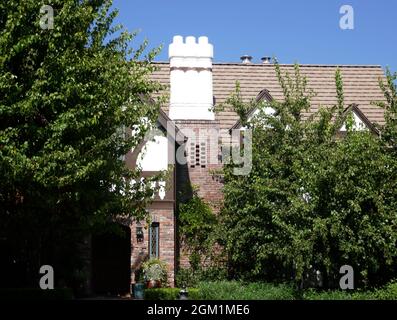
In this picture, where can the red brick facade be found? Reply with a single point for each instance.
(202, 145)
(202, 176)
(140, 250)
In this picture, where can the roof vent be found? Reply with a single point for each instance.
(246, 59)
(266, 60)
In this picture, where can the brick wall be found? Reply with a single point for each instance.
(210, 189)
(140, 250)
(205, 178)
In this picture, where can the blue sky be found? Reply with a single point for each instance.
(305, 31)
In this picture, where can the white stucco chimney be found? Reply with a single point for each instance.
(191, 94)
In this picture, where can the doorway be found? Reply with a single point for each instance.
(111, 262)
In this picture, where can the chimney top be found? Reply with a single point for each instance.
(246, 59)
(266, 60)
(190, 47)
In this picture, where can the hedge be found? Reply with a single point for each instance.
(169, 294)
(388, 292)
(236, 290)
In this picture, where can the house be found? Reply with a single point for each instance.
(190, 135)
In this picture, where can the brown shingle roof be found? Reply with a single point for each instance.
(360, 85)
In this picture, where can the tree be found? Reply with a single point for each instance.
(353, 198)
(66, 96)
(389, 104)
(259, 239)
(312, 201)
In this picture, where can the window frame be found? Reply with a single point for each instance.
(154, 227)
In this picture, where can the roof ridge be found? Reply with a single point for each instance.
(289, 64)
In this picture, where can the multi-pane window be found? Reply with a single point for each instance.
(154, 240)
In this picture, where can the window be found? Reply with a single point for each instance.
(139, 232)
(154, 241)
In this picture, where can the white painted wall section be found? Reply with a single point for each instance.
(267, 110)
(358, 124)
(154, 155)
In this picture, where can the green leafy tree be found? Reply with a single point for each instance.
(352, 188)
(389, 104)
(67, 95)
(312, 201)
(260, 222)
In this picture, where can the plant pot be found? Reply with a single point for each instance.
(138, 291)
(150, 284)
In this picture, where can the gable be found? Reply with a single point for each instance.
(358, 124)
(156, 152)
(360, 121)
(264, 96)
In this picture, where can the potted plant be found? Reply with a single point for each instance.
(139, 284)
(155, 273)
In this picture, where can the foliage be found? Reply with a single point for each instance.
(353, 196)
(155, 269)
(236, 290)
(389, 104)
(388, 292)
(312, 201)
(170, 294)
(190, 277)
(242, 109)
(197, 224)
(66, 96)
(187, 277)
(139, 275)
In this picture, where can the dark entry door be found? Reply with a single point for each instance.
(111, 262)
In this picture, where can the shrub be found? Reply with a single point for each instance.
(235, 290)
(388, 292)
(197, 225)
(190, 277)
(312, 294)
(169, 294)
(155, 269)
(187, 277)
(213, 273)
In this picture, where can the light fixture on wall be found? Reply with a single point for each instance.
(139, 232)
